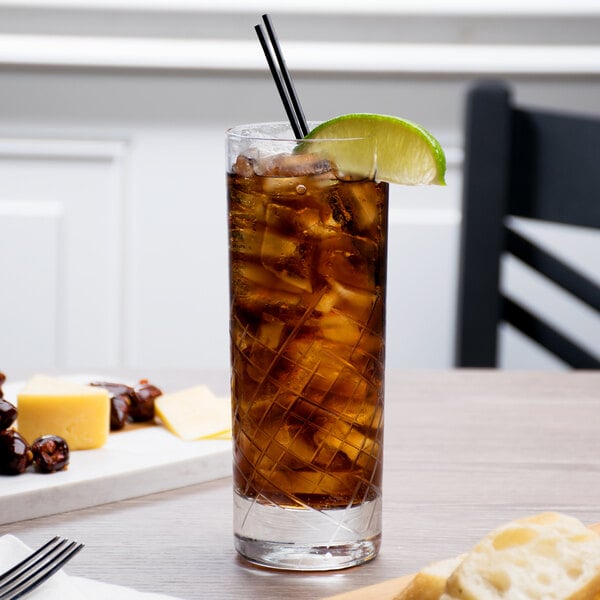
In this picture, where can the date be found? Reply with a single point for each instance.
(8, 414)
(50, 453)
(15, 453)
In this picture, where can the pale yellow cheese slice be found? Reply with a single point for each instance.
(78, 413)
(195, 413)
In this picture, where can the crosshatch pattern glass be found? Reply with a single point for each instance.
(308, 269)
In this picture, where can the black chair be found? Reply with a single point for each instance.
(529, 163)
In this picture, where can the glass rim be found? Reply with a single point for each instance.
(251, 131)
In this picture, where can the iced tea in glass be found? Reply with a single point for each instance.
(307, 250)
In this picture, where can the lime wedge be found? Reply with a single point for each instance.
(406, 153)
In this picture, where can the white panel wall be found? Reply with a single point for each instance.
(29, 302)
(112, 195)
(61, 251)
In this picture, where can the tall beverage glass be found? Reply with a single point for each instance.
(307, 250)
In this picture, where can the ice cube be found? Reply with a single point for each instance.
(299, 450)
(270, 331)
(316, 482)
(245, 236)
(291, 165)
(292, 272)
(294, 221)
(338, 328)
(298, 191)
(341, 211)
(295, 378)
(278, 247)
(359, 344)
(243, 166)
(327, 301)
(286, 251)
(246, 202)
(351, 398)
(341, 436)
(283, 446)
(316, 365)
(264, 282)
(359, 206)
(356, 303)
(277, 442)
(253, 407)
(351, 260)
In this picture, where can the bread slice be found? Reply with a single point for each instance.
(430, 582)
(549, 556)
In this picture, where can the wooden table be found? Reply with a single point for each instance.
(464, 451)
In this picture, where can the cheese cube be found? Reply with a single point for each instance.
(78, 413)
(195, 413)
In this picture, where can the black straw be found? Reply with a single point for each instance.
(283, 80)
(287, 78)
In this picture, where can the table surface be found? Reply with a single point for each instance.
(465, 451)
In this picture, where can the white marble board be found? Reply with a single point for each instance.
(134, 462)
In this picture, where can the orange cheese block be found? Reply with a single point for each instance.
(78, 413)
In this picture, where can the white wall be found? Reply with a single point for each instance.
(112, 200)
